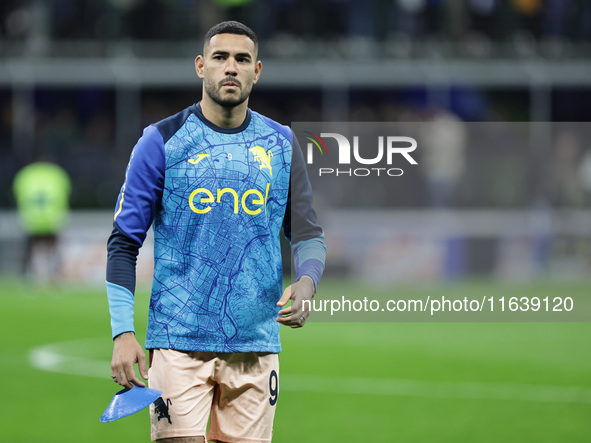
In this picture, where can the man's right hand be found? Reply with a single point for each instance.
(126, 353)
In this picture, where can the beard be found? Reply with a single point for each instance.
(213, 90)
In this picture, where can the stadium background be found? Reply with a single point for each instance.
(80, 79)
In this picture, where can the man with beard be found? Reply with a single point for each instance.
(218, 182)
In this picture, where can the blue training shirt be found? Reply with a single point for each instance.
(217, 199)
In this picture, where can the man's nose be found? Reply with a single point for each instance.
(231, 67)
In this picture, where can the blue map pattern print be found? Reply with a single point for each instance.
(218, 272)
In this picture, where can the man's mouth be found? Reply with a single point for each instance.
(231, 84)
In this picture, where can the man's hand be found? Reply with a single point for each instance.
(126, 353)
(295, 316)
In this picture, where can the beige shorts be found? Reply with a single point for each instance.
(237, 392)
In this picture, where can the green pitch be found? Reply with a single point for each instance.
(378, 382)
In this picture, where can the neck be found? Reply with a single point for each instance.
(224, 117)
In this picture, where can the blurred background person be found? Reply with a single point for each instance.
(566, 186)
(42, 191)
(444, 145)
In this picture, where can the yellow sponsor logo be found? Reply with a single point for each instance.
(201, 196)
(200, 157)
(263, 157)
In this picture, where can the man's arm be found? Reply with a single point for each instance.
(134, 213)
(121, 264)
(307, 241)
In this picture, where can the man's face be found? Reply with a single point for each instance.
(228, 68)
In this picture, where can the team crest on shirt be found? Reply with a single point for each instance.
(263, 158)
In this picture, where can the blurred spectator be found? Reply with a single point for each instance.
(409, 17)
(443, 162)
(374, 20)
(42, 192)
(481, 15)
(15, 19)
(566, 189)
(585, 173)
(579, 20)
(555, 17)
(529, 17)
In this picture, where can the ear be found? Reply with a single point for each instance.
(258, 67)
(199, 66)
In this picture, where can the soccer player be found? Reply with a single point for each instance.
(217, 181)
(42, 191)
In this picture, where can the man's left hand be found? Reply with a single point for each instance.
(295, 315)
